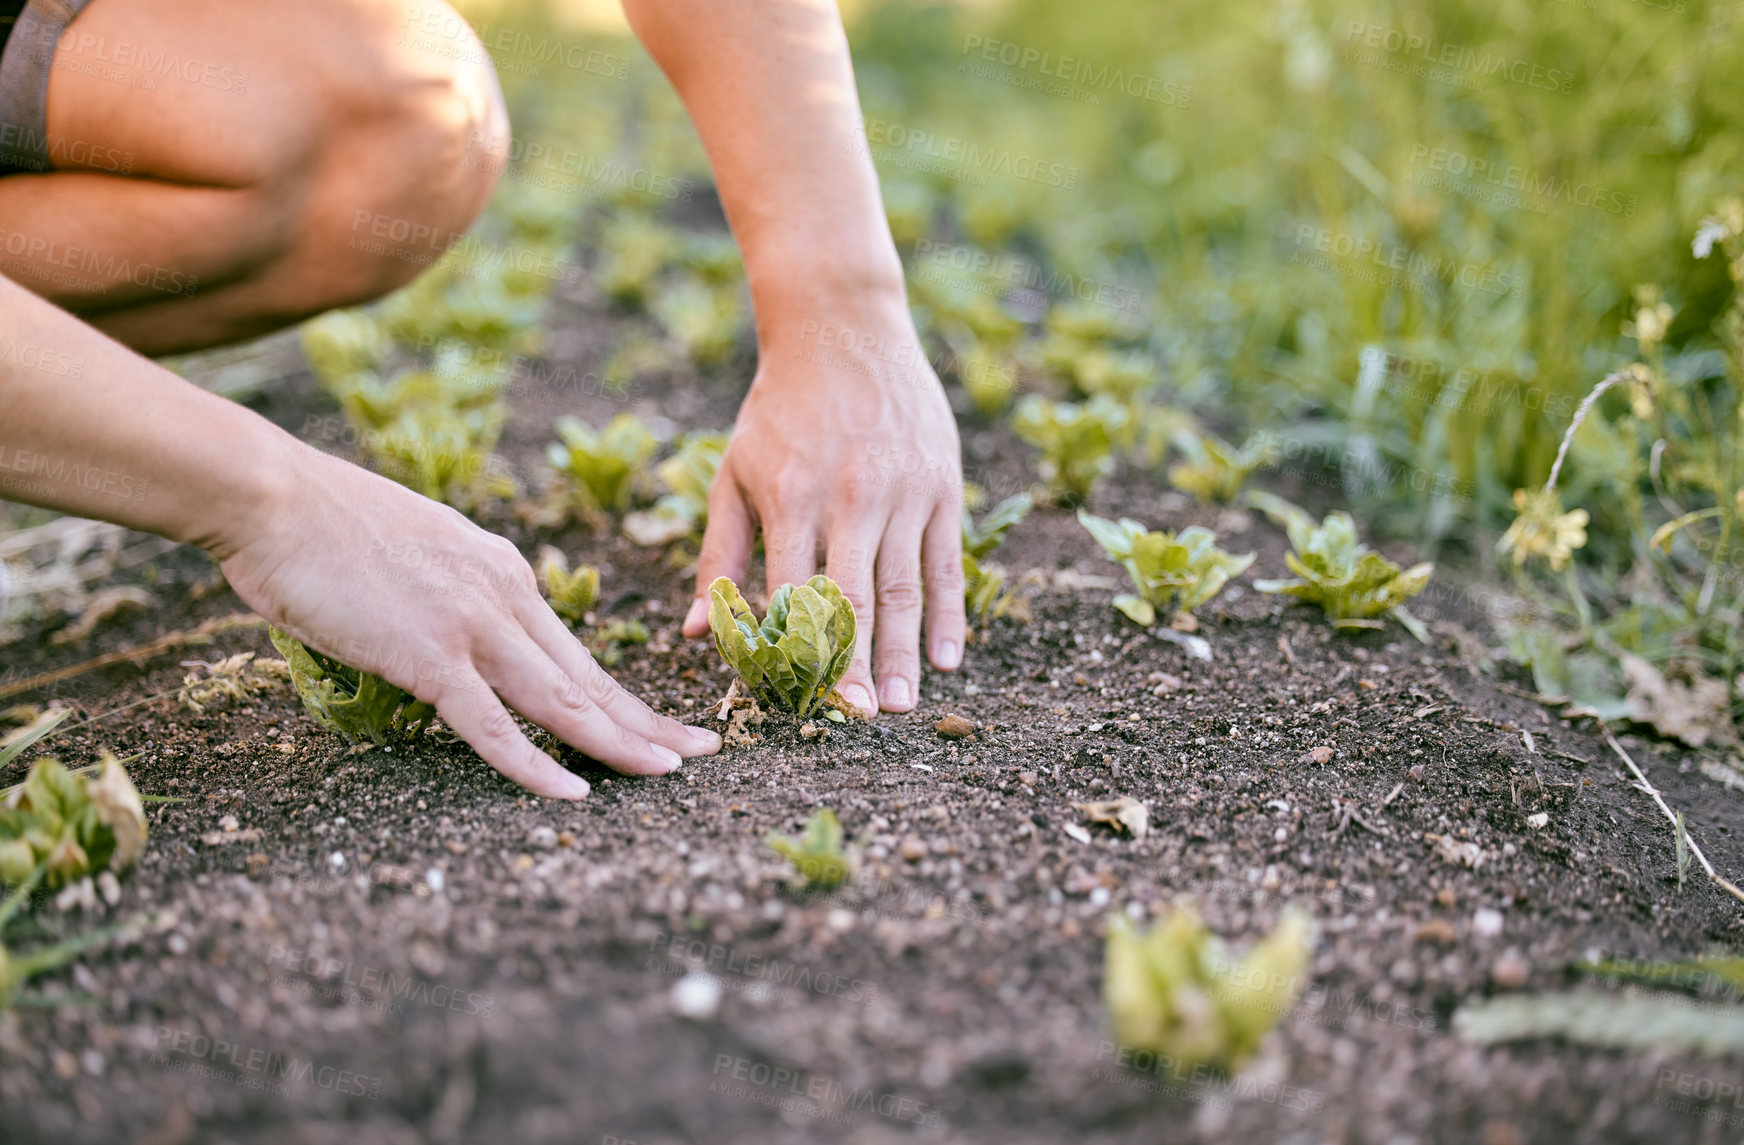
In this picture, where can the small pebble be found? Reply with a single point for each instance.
(1487, 923)
(696, 996)
(542, 837)
(1510, 969)
(953, 727)
(1321, 754)
(1436, 930)
(913, 848)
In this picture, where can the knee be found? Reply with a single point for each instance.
(412, 153)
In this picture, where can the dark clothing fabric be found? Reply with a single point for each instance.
(29, 34)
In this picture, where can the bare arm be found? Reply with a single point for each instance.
(846, 442)
(354, 565)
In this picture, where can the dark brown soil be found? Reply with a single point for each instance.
(456, 961)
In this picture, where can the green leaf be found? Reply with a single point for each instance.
(979, 541)
(1137, 608)
(1606, 1019)
(357, 705)
(817, 853)
(1077, 441)
(1168, 570)
(1174, 990)
(798, 653)
(1351, 583)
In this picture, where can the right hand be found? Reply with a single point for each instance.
(386, 581)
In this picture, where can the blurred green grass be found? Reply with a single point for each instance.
(1461, 194)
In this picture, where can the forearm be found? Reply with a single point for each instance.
(89, 428)
(770, 87)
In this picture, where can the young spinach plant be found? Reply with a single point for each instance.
(1183, 570)
(1355, 585)
(983, 581)
(797, 653)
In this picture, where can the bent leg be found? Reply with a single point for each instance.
(223, 170)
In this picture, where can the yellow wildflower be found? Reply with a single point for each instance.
(1543, 530)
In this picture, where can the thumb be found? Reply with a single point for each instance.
(726, 547)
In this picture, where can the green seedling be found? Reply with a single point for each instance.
(1183, 570)
(17, 969)
(1353, 584)
(572, 594)
(40, 727)
(341, 345)
(1077, 441)
(687, 476)
(713, 257)
(817, 853)
(706, 321)
(609, 641)
(1124, 377)
(982, 581)
(1214, 471)
(62, 827)
(355, 704)
(802, 647)
(1176, 991)
(634, 253)
(602, 465)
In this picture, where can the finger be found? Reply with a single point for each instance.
(942, 560)
(471, 708)
(896, 643)
(849, 563)
(574, 660)
(726, 546)
(570, 709)
(789, 549)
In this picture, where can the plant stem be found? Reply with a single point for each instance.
(1641, 782)
(1580, 415)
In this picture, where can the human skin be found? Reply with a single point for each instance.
(259, 211)
(770, 87)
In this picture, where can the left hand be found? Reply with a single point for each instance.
(846, 443)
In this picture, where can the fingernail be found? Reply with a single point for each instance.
(668, 757)
(697, 614)
(896, 692)
(949, 654)
(574, 786)
(859, 697)
(705, 740)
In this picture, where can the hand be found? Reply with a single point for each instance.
(846, 442)
(389, 582)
